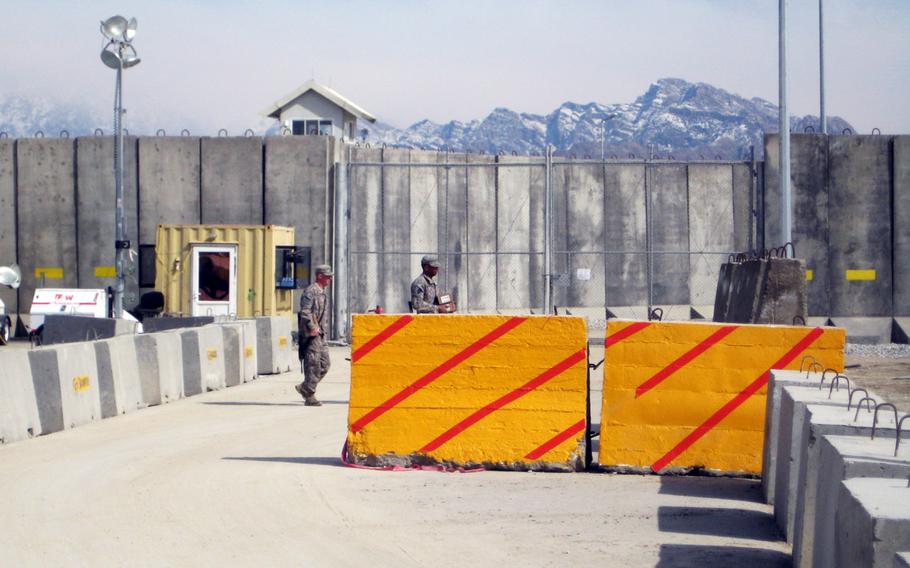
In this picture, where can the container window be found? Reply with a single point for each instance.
(214, 276)
(147, 266)
(292, 267)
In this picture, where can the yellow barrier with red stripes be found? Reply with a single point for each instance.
(470, 391)
(681, 395)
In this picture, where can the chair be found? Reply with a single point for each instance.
(151, 304)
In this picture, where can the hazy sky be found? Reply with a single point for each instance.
(212, 64)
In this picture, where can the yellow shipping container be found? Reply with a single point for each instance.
(226, 269)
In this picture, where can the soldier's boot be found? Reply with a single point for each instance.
(312, 401)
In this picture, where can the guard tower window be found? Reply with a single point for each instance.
(147, 266)
(315, 127)
(292, 267)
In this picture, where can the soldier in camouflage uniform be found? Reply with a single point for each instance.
(424, 295)
(313, 351)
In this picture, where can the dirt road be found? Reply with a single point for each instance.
(249, 476)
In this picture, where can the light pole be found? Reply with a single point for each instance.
(119, 54)
(603, 127)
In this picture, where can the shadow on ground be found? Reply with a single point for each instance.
(247, 403)
(300, 460)
(734, 523)
(748, 490)
(707, 556)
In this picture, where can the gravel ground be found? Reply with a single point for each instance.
(882, 368)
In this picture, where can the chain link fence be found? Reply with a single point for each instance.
(625, 237)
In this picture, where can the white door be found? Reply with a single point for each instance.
(214, 280)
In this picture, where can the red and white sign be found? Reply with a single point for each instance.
(92, 303)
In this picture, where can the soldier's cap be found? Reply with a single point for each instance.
(324, 269)
(429, 260)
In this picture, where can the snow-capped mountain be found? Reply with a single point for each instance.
(687, 120)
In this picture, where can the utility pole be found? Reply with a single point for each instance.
(786, 229)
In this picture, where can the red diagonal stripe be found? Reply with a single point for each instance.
(450, 364)
(625, 332)
(381, 337)
(684, 360)
(740, 398)
(524, 389)
(556, 440)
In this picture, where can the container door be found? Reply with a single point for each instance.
(214, 290)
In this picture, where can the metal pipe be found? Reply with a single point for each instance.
(120, 236)
(786, 229)
(822, 118)
(342, 217)
(648, 238)
(547, 217)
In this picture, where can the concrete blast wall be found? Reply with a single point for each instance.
(8, 218)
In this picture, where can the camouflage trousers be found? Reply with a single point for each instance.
(315, 364)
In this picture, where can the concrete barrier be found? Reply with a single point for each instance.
(902, 560)
(211, 358)
(153, 325)
(275, 350)
(149, 373)
(779, 379)
(793, 442)
(170, 364)
(67, 385)
(126, 373)
(840, 458)
(19, 418)
(872, 522)
(679, 396)
(248, 351)
(499, 392)
(231, 337)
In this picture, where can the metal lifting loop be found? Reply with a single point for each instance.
(64, 133)
(897, 441)
(249, 132)
(809, 129)
(3, 134)
(846, 131)
(160, 132)
(39, 134)
(824, 375)
(224, 131)
(801, 319)
(184, 132)
(656, 314)
(852, 392)
(99, 132)
(875, 416)
(836, 382)
(876, 132)
(860, 404)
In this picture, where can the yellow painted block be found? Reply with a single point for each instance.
(809, 274)
(860, 275)
(282, 341)
(49, 272)
(212, 354)
(81, 383)
(685, 394)
(105, 272)
(469, 390)
(247, 352)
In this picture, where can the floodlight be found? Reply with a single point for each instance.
(130, 32)
(130, 58)
(10, 276)
(114, 27)
(110, 59)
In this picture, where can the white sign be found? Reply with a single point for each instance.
(50, 301)
(583, 274)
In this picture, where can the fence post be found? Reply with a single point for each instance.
(547, 217)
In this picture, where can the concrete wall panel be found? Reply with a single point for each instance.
(513, 222)
(743, 196)
(47, 214)
(670, 232)
(96, 215)
(711, 227)
(8, 218)
(624, 230)
(79, 383)
(536, 233)
(860, 226)
(396, 232)
(232, 180)
(211, 357)
(168, 183)
(297, 189)
(809, 156)
(424, 211)
(584, 233)
(481, 223)
(901, 202)
(452, 227)
(365, 230)
(19, 418)
(169, 351)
